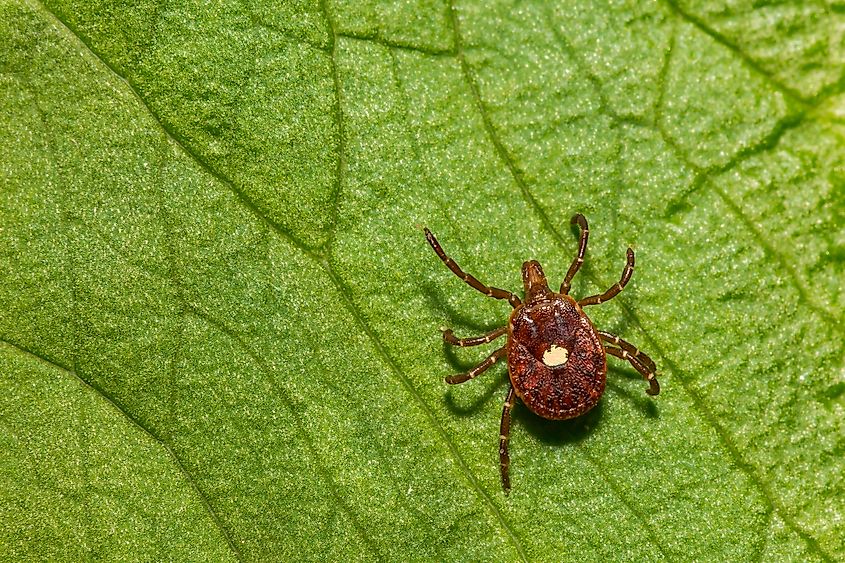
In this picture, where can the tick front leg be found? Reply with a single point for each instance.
(581, 221)
(493, 292)
(648, 374)
(479, 369)
(504, 436)
(449, 337)
(615, 288)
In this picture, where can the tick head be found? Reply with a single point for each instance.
(534, 280)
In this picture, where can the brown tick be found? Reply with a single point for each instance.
(556, 358)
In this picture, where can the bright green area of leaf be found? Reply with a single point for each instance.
(220, 318)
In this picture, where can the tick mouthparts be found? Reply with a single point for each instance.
(532, 273)
(534, 280)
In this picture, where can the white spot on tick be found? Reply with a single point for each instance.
(555, 356)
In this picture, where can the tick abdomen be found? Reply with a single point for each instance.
(556, 360)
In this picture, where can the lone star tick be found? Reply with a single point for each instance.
(557, 360)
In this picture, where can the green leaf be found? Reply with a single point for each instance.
(219, 332)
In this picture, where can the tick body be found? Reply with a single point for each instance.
(556, 361)
(556, 358)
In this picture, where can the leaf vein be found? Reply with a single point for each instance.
(340, 166)
(402, 46)
(168, 131)
(124, 413)
(803, 292)
(334, 489)
(359, 318)
(412, 391)
(515, 172)
(598, 468)
(702, 26)
(527, 195)
(745, 466)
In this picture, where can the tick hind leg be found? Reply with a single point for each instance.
(493, 292)
(630, 348)
(449, 337)
(640, 361)
(616, 288)
(479, 369)
(504, 436)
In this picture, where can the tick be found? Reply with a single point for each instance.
(557, 359)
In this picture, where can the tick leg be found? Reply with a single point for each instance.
(648, 374)
(630, 348)
(616, 288)
(493, 292)
(582, 248)
(504, 436)
(449, 337)
(479, 369)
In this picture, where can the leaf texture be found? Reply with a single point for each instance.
(219, 333)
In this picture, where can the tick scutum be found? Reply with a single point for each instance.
(556, 361)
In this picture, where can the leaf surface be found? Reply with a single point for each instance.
(219, 337)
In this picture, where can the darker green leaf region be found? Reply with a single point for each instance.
(248, 95)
